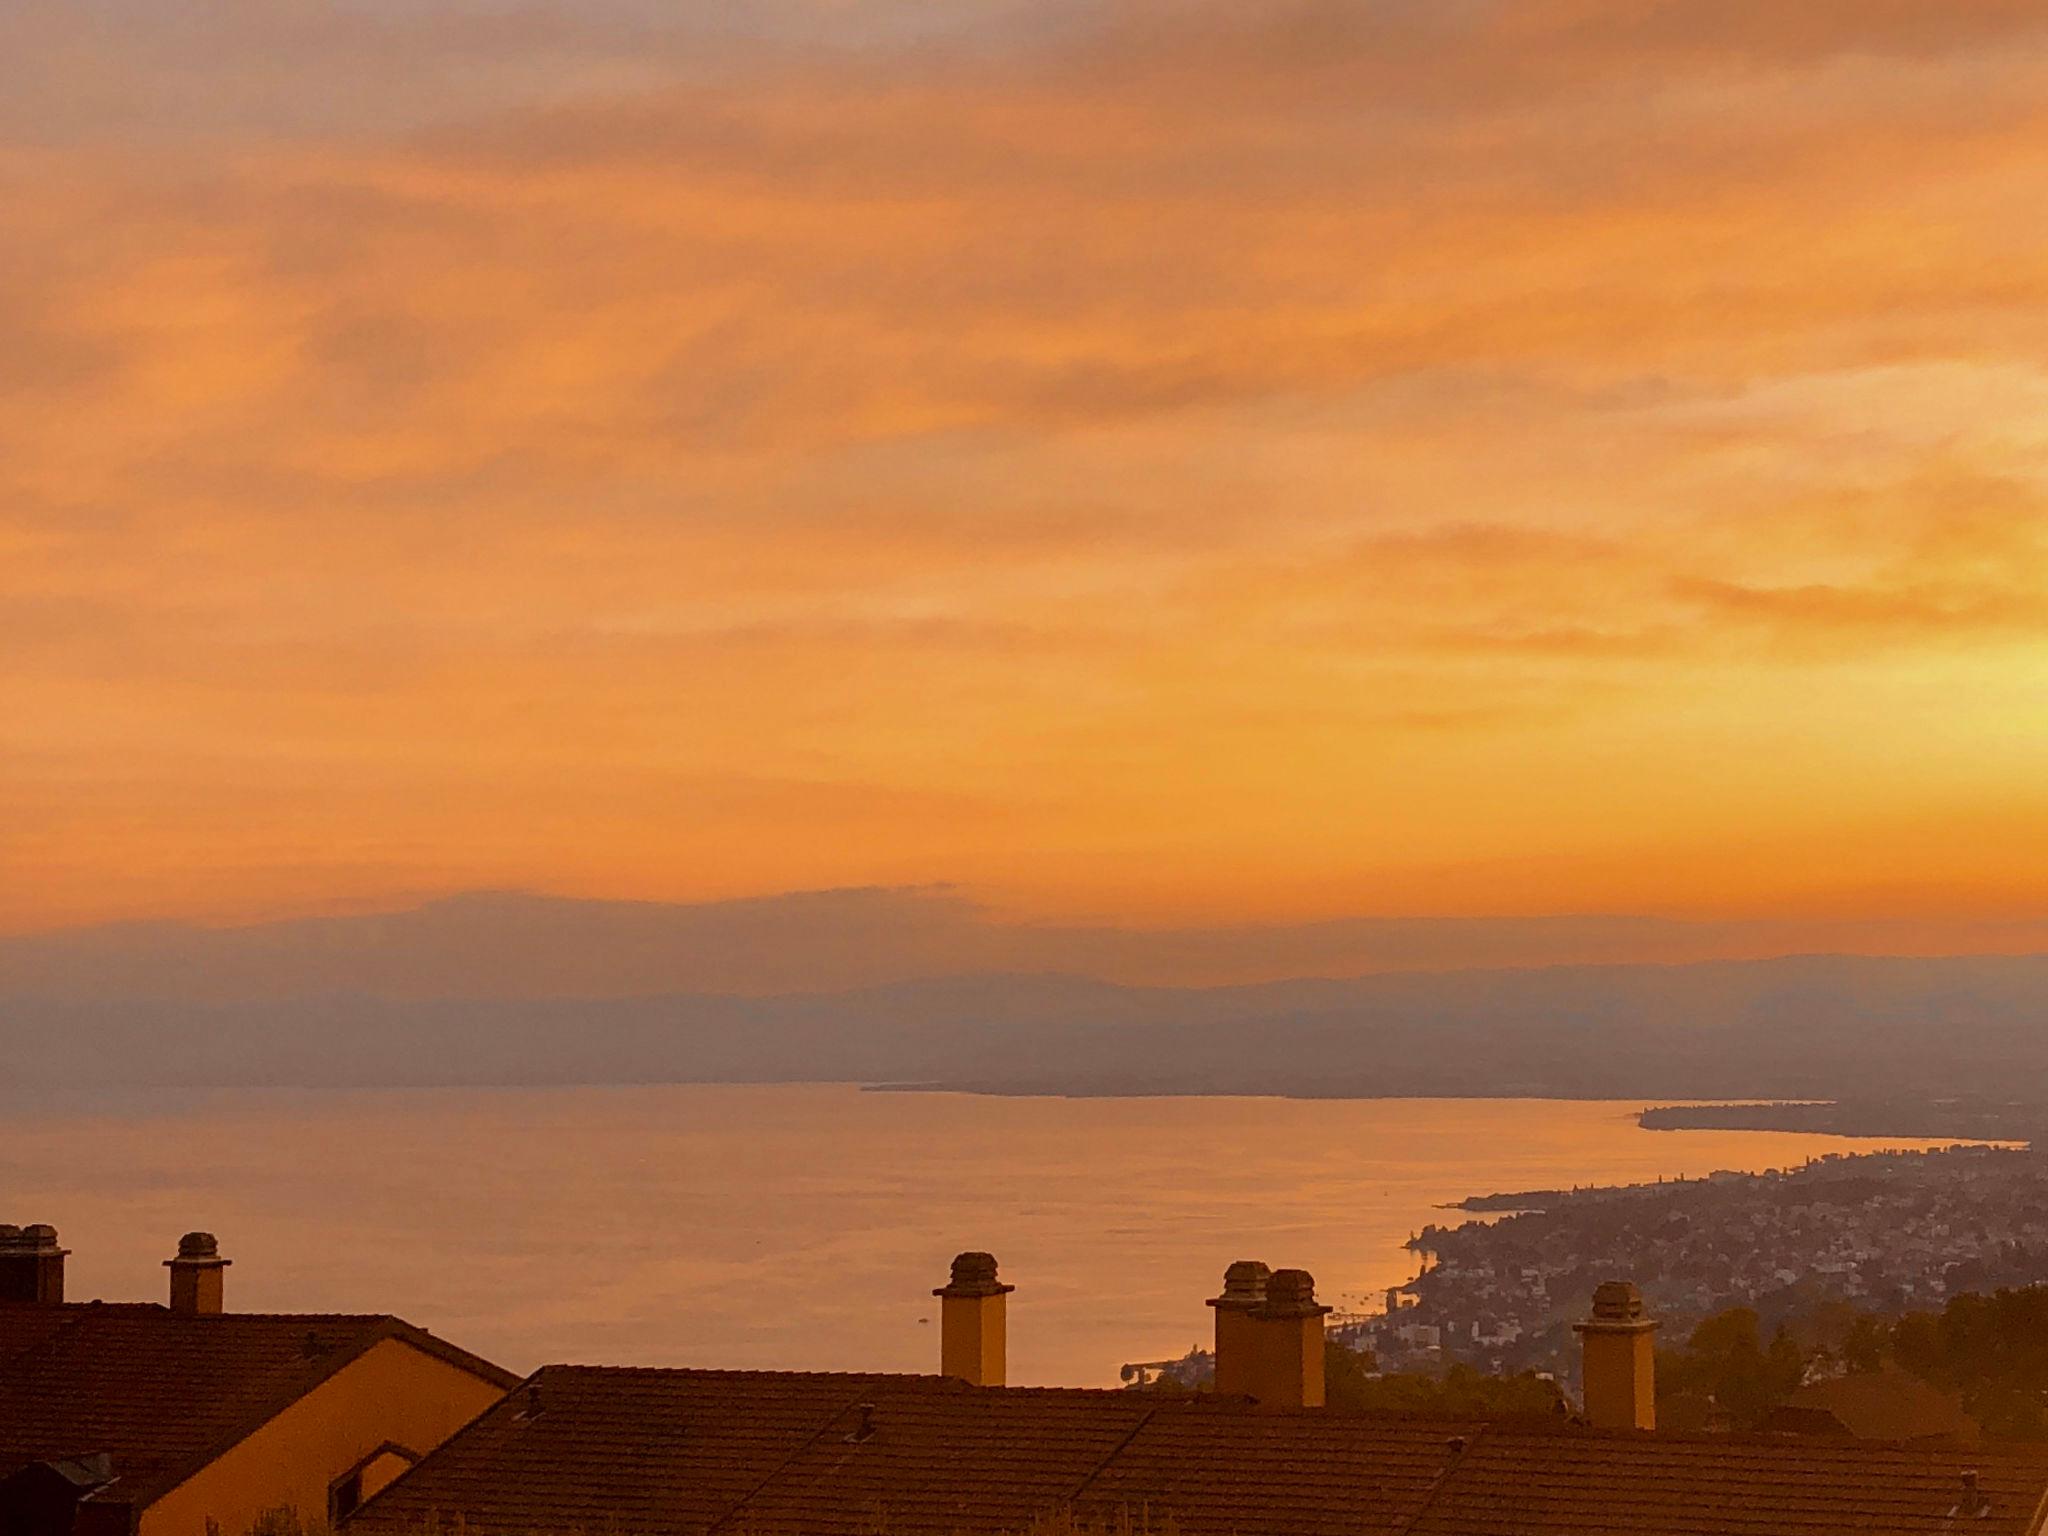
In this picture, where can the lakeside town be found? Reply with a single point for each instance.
(1884, 1231)
(1881, 1233)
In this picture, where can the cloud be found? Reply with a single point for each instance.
(1899, 615)
(1177, 455)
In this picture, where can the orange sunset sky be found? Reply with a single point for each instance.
(1134, 462)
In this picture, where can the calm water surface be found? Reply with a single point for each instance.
(791, 1226)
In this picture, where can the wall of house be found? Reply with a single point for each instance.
(394, 1394)
(384, 1470)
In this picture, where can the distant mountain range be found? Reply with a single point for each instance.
(507, 944)
(515, 990)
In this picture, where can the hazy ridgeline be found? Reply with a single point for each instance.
(484, 992)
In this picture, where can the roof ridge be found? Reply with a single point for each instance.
(448, 1443)
(777, 1470)
(75, 1308)
(934, 1379)
(742, 1373)
(296, 1379)
(1151, 1412)
(1444, 1476)
(2038, 1521)
(430, 1343)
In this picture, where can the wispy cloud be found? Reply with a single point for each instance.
(1164, 456)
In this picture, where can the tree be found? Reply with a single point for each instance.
(1725, 1373)
(1462, 1392)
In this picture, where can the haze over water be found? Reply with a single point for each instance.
(791, 1227)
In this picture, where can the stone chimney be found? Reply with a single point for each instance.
(1244, 1292)
(1619, 1369)
(196, 1278)
(972, 1336)
(31, 1264)
(1287, 1342)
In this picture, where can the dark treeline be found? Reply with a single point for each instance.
(1353, 1379)
(1989, 1349)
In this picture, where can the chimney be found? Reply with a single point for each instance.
(31, 1264)
(1244, 1292)
(1619, 1371)
(196, 1278)
(1287, 1342)
(972, 1342)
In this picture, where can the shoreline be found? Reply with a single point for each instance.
(1972, 1120)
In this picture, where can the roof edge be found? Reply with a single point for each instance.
(454, 1439)
(453, 1354)
(142, 1493)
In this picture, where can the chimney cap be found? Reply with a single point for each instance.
(1244, 1285)
(1617, 1301)
(974, 1274)
(1617, 1307)
(199, 1248)
(38, 1238)
(1292, 1293)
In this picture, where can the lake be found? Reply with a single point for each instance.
(792, 1226)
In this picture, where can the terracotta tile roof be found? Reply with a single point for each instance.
(640, 1452)
(1533, 1483)
(657, 1450)
(934, 1455)
(164, 1392)
(1303, 1472)
(1878, 1405)
(625, 1450)
(24, 1326)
